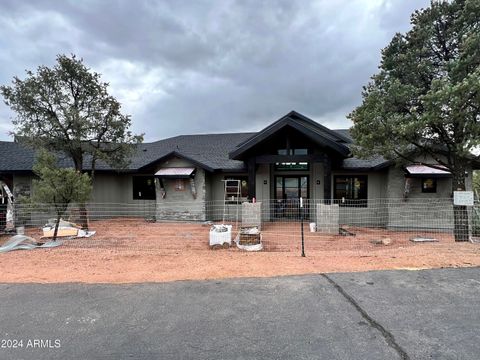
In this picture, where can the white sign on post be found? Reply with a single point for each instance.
(463, 198)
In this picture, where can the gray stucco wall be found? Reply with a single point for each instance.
(113, 193)
(316, 190)
(375, 213)
(263, 183)
(215, 208)
(112, 196)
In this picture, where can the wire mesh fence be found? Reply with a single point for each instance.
(283, 225)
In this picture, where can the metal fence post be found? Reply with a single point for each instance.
(301, 226)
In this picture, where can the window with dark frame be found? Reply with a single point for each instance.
(429, 185)
(232, 186)
(143, 188)
(351, 190)
(282, 166)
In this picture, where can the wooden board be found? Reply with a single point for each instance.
(62, 232)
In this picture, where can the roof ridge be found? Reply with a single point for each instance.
(226, 133)
(208, 134)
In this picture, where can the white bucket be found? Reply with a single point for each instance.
(21, 230)
(313, 227)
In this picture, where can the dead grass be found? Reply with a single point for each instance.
(130, 250)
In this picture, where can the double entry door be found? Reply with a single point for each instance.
(288, 190)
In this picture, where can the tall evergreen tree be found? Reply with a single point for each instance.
(425, 100)
(67, 109)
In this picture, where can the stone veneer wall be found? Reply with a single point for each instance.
(182, 205)
(420, 210)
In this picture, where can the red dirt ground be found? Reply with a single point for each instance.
(131, 250)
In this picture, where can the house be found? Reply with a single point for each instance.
(181, 177)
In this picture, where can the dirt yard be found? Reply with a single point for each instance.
(131, 250)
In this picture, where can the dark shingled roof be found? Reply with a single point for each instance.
(345, 133)
(15, 157)
(373, 163)
(210, 151)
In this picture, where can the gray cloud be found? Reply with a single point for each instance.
(209, 66)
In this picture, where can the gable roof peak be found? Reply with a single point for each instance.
(307, 126)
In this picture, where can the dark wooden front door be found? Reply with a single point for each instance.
(288, 190)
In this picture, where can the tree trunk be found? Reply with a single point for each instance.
(57, 223)
(82, 209)
(460, 213)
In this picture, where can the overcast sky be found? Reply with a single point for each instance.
(184, 67)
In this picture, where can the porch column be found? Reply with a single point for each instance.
(327, 182)
(251, 164)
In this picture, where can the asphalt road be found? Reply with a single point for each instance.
(432, 314)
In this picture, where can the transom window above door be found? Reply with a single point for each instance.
(281, 166)
(291, 166)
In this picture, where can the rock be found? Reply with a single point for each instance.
(387, 241)
(423, 239)
(345, 232)
(225, 245)
(384, 241)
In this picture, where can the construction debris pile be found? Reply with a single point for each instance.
(6, 200)
(249, 239)
(23, 242)
(220, 236)
(65, 229)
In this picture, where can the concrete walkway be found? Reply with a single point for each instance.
(432, 314)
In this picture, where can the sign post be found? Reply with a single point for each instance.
(463, 198)
(461, 201)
